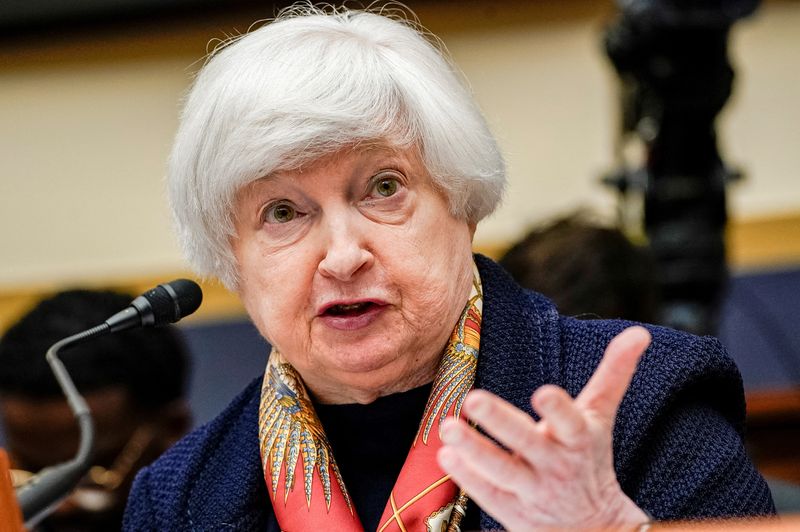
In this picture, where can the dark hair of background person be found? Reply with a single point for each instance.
(588, 270)
(151, 364)
(133, 381)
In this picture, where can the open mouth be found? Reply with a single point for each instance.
(353, 309)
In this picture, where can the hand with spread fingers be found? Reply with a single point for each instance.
(559, 471)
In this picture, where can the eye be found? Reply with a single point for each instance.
(386, 186)
(279, 213)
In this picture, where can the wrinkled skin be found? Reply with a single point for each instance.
(364, 223)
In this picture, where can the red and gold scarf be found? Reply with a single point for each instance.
(303, 480)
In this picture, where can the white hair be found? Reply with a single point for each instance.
(312, 82)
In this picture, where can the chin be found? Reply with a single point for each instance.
(361, 361)
(368, 356)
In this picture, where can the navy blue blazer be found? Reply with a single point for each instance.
(678, 449)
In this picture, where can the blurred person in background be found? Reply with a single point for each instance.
(587, 269)
(134, 383)
(590, 270)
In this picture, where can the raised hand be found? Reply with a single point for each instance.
(557, 472)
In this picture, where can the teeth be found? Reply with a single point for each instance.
(346, 308)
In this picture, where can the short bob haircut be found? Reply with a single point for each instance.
(312, 82)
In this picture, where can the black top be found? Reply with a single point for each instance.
(371, 443)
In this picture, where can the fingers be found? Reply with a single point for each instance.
(558, 466)
(515, 429)
(565, 417)
(510, 426)
(605, 390)
(490, 497)
(565, 423)
(485, 457)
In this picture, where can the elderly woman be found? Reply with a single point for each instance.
(330, 168)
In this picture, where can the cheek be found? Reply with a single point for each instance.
(437, 267)
(274, 289)
(444, 247)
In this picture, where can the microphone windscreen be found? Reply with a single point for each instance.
(172, 301)
(187, 295)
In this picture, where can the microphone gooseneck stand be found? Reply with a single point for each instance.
(167, 303)
(51, 484)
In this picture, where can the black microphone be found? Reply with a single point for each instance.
(166, 303)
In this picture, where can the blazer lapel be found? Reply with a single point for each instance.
(519, 343)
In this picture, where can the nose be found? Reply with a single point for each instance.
(346, 252)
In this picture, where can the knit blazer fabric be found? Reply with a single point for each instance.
(678, 449)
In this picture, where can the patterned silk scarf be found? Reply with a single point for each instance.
(303, 480)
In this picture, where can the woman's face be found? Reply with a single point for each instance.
(355, 270)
